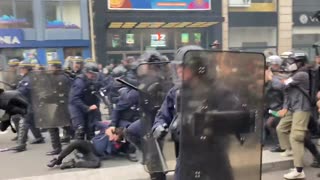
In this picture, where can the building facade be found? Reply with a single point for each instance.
(43, 29)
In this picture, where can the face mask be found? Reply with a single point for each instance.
(292, 67)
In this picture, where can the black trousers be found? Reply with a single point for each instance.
(89, 160)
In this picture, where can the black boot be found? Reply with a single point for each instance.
(38, 141)
(19, 148)
(68, 165)
(55, 141)
(54, 162)
(22, 137)
(158, 176)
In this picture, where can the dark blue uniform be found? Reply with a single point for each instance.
(126, 110)
(24, 87)
(80, 99)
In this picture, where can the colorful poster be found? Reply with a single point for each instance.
(116, 40)
(158, 40)
(185, 38)
(159, 5)
(30, 54)
(130, 39)
(52, 56)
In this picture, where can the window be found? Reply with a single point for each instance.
(16, 14)
(63, 14)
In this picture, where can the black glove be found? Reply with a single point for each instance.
(160, 131)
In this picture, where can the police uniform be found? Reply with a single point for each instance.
(61, 84)
(126, 110)
(24, 87)
(80, 99)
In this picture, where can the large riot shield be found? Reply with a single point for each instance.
(155, 81)
(49, 96)
(221, 123)
(8, 80)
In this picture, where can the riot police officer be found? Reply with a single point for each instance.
(83, 103)
(153, 88)
(61, 84)
(194, 73)
(24, 87)
(126, 111)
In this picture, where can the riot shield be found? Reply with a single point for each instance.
(8, 80)
(155, 81)
(221, 101)
(49, 96)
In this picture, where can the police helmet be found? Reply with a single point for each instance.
(299, 57)
(76, 59)
(55, 62)
(89, 60)
(181, 52)
(13, 62)
(274, 59)
(40, 67)
(91, 68)
(285, 55)
(150, 56)
(118, 71)
(195, 61)
(26, 64)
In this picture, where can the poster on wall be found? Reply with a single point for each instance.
(52, 56)
(197, 38)
(185, 5)
(116, 40)
(30, 54)
(130, 39)
(158, 40)
(185, 38)
(239, 3)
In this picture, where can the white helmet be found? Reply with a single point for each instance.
(274, 59)
(285, 55)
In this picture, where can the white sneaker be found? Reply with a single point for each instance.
(294, 174)
(287, 153)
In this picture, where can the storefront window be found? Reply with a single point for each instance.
(63, 14)
(72, 52)
(252, 37)
(123, 40)
(16, 14)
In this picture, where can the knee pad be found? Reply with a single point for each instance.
(298, 135)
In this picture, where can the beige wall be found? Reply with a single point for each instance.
(225, 25)
(285, 26)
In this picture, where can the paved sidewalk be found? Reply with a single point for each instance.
(271, 162)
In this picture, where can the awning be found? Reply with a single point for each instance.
(153, 25)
